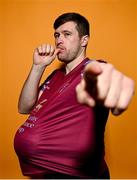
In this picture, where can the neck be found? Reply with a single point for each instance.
(71, 65)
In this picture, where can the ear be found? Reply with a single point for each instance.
(84, 40)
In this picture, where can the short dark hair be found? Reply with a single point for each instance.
(82, 23)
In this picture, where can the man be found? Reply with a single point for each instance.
(63, 136)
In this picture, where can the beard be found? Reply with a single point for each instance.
(62, 57)
(68, 56)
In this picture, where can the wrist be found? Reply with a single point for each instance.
(38, 68)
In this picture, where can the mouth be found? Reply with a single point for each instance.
(61, 51)
(61, 48)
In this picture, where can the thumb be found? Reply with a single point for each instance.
(56, 51)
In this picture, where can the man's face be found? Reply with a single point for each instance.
(68, 41)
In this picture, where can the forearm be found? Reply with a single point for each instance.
(42, 57)
(30, 90)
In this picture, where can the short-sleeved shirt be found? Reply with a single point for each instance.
(61, 135)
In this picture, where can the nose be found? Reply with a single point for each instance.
(59, 40)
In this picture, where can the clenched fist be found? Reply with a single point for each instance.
(44, 55)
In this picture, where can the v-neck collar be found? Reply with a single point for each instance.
(75, 70)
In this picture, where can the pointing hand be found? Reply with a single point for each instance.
(102, 83)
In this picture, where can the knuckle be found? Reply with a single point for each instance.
(129, 85)
(110, 67)
(107, 66)
(129, 82)
(110, 104)
(102, 92)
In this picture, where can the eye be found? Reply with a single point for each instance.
(56, 35)
(66, 34)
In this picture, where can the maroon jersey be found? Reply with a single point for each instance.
(62, 135)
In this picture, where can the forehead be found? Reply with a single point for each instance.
(68, 26)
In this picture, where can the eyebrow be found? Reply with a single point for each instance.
(64, 31)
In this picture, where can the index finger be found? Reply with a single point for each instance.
(92, 70)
